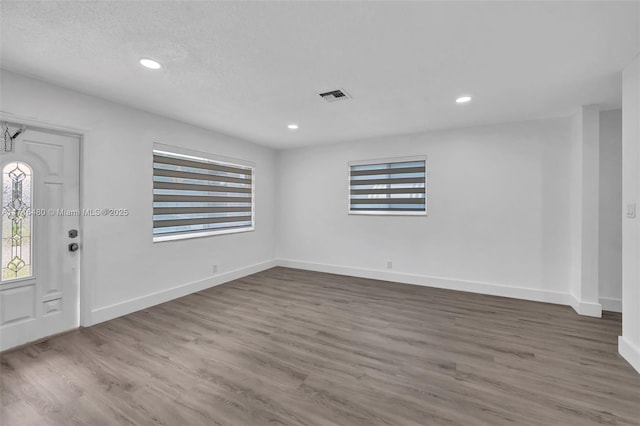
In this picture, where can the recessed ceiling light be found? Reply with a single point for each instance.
(150, 63)
(463, 99)
(293, 126)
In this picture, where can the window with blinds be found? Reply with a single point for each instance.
(391, 186)
(195, 196)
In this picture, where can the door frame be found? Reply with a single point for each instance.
(84, 290)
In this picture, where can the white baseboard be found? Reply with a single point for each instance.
(610, 304)
(536, 295)
(585, 308)
(629, 352)
(106, 313)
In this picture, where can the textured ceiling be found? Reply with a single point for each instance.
(250, 68)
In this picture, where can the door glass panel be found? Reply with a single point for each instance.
(15, 259)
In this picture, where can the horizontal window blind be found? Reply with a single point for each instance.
(388, 186)
(195, 196)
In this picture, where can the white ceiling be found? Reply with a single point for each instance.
(250, 68)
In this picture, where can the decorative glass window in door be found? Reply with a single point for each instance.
(17, 226)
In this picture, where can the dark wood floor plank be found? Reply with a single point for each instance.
(291, 347)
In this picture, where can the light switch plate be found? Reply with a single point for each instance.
(631, 210)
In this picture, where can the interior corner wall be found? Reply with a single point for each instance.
(610, 214)
(584, 201)
(629, 342)
(122, 269)
(498, 211)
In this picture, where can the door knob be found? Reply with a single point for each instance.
(73, 247)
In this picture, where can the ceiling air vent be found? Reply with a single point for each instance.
(335, 95)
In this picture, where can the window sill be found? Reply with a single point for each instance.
(191, 235)
(381, 213)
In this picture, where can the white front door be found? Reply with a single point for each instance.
(39, 280)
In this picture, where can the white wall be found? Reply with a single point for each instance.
(629, 343)
(498, 211)
(610, 221)
(584, 210)
(122, 269)
(498, 199)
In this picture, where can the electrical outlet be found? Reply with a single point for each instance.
(215, 269)
(631, 210)
(389, 264)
